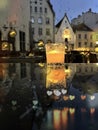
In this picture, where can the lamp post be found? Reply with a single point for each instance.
(8, 38)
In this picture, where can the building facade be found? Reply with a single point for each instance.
(84, 38)
(42, 22)
(90, 19)
(14, 25)
(64, 33)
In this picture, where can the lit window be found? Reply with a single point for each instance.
(39, 20)
(32, 20)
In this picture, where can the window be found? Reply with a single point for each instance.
(47, 31)
(86, 69)
(36, 9)
(91, 44)
(40, 20)
(32, 20)
(79, 70)
(31, 10)
(47, 21)
(45, 10)
(35, 2)
(40, 9)
(79, 36)
(79, 44)
(85, 44)
(85, 36)
(22, 40)
(40, 31)
(91, 69)
(96, 36)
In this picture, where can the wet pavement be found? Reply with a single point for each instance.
(37, 96)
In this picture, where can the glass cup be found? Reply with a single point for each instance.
(55, 53)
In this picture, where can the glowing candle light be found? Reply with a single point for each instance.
(55, 52)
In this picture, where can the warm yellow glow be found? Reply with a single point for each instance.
(55, 76)
(97, 64)
(5, 46)
(66, 33)
(55, 52)
(12, 33)
(41, 64)
(72, 110)
(71, 97)
(96, 49)
(82, 49)
(60, 119)
(56, 119)
(92, 110)
(64, 118)
(72, 114)
(67, 70)
(66, 97)
(41, 43)
(83, 97)
(97, 42)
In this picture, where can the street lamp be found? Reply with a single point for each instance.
(5, 45)
(8, 40)
(12, 33)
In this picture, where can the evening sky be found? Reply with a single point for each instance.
(72, 8)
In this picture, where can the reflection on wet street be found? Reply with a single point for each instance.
(44, 96)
